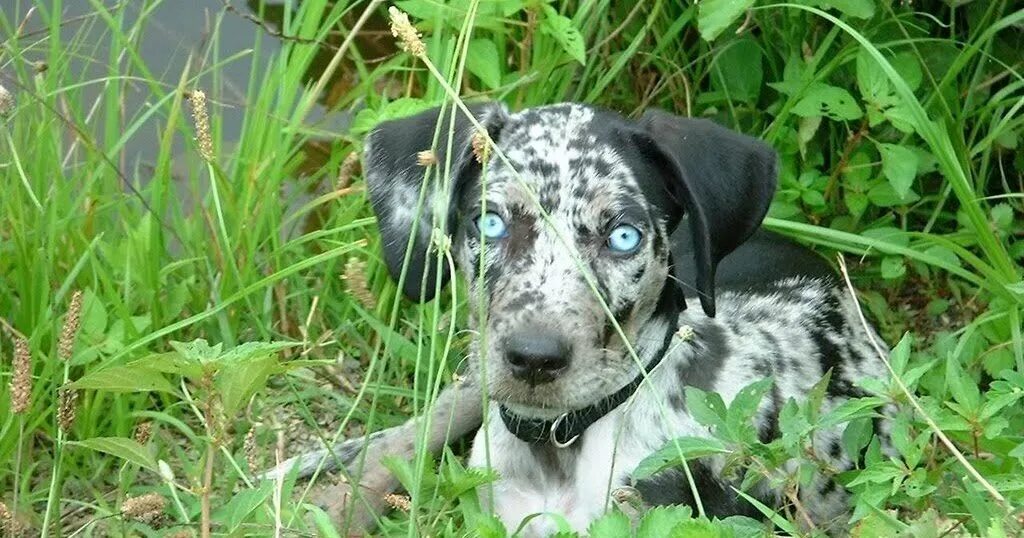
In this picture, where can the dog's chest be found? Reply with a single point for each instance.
(574, 482)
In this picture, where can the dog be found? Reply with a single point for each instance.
(580, 235)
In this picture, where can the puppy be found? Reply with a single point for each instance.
(580, 237)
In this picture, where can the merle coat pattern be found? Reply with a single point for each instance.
(570, 175)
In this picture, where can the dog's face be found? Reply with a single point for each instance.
(564, 242)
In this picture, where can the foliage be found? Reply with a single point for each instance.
(898, 126)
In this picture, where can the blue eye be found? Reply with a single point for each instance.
(491, 225)
(624, 238)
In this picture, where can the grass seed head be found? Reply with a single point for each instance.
(66, 345)
(6, 102)
(67, 400)
(358, 284)
(251, 453)
(398, 502)
(143, 432)
(21, 377)
(426, 158)
(144, 508)
(347, 170)
(408, 37)
(480, 147)
(201, 118)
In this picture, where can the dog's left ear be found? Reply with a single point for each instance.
(722, 180)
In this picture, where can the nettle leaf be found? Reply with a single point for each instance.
(121, 447)
(199, 350)
(706, 408)
(124, 379)
(744, 406)
(243, 504)
(673, 453)
(611, 525)
(829, 101)
(562, 29)
(714, 16)
(899, 164)
(484, 62)
(660, 520)
(851, 409)
(699, 528)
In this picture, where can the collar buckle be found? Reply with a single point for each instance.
(553, 433)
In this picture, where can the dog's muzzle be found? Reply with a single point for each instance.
(537, 356)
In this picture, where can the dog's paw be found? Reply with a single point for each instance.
(353, 513)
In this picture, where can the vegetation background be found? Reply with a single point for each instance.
(175, 317)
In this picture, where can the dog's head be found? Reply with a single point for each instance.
(569, 238)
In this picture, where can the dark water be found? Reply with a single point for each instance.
(174, 31)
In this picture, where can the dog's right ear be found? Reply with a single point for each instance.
(396, 177)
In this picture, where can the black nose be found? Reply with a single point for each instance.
(537, 356)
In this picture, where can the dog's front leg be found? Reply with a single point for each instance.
(457, 412)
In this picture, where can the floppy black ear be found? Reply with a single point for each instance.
(395, 178)
(722, 180)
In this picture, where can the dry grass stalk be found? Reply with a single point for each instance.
(66, 344)
(201, 118)
(398, 502)
(358, 284)
(21, 378)
(408, 37)
(67, 400)
(426, 158)
(144, 508)
(347, 171)
(143, 432)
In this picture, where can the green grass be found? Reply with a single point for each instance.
(899, 130)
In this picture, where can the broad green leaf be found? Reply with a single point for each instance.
(884, 195)
(238, 381)
(124, 448)
(899, 164)
(562, 29)
(961, 385)
(851, 409)
(93, 317)
(169, 363)
(670, 455)
(900, 354)
(714, 16)
(322, 521)
(368, 118)
(233, 514)
(862, 9)
(250, 350)
(484, 61)
(738, 70)
(893, 267)
(611, 525)
(124, 379)
(829, 101)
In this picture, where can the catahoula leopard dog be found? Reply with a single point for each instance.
(580, 235)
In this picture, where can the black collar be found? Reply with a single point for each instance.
(565, 429)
